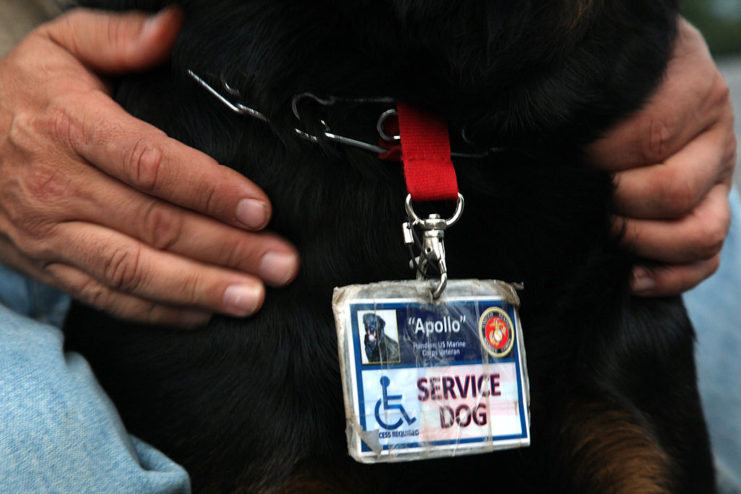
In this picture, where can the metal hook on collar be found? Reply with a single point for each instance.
(241, 109)
(327, 132)
(382, 121)
(236, 107)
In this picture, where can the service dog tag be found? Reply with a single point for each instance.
(425, 377)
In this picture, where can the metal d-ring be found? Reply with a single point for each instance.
(391, 112)
(448, 223)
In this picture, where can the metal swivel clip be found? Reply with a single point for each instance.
(430, 262)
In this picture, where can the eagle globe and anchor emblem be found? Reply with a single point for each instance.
(496, 332)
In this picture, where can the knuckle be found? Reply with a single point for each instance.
(191, 289)
(655, 148)
(152, 313)
(241, 255)
(21, 133)
(133, 309)
(32, 242)
(209, 198)
(64, 127)
(61, 125)
(33, 178)
(163, 227)
(720, 92)
(122, 270)
(94, 294)
(675, 192)
(29, 247)
(144, 164)
(710, 240)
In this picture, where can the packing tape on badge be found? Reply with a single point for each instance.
(427, 379)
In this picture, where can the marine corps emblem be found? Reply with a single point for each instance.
(496, 332)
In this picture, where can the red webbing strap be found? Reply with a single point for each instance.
(425, 151)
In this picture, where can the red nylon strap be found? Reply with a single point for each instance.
(425, 150)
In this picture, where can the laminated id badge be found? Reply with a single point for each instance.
(428, 377)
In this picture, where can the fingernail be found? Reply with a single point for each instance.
(641, 281)
(278, 268)
(242, 300)
(152, 22)
(155, 22)
(252, 213)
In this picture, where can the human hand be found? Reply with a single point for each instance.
(673, 162)
(107, 207)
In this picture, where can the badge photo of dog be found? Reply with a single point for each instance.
(255, 405)
(378, 346)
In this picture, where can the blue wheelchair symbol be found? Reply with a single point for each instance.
(385, 381)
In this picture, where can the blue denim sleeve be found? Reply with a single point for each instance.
(714, 309)
(59, 432)
(32, 298)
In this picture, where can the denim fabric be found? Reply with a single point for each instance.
(715, 310)
(31, 298)
(59, 432)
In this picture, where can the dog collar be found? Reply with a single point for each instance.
(388, 141)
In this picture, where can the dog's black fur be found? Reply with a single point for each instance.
(255, 404)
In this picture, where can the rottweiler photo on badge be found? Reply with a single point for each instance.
(379, 337)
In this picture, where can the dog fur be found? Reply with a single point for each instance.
(255, 405)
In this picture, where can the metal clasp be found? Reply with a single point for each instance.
(235, 106)
(431, 260)
(327, 132)
(231, 98)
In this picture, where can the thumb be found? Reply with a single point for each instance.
(114, 43)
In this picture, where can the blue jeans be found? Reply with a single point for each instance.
(59, 432)
(715, 310)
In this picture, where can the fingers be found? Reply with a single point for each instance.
(124, 265)
(674, 188)
(673, 162)
(143, 157)
(85, 288)
(671, 279)
(701, 233)
(115, 43)
(123, 305)
(64, 191)
(168, 228)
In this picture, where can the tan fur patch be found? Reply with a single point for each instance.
(608, 452)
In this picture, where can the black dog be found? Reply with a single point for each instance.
(254, 405)
(379, 347)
